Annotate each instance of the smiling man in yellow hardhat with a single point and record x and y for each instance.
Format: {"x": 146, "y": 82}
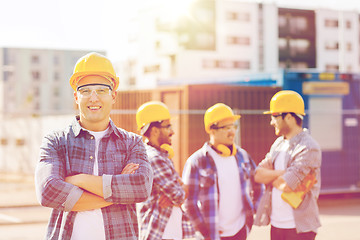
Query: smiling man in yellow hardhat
{"x": 92, "y": 173}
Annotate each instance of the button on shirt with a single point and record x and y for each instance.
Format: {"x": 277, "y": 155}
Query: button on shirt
{"x": 71, "y": 151}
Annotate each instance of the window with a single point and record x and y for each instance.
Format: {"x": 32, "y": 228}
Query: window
{"x": 282, "y": 42}
{"x": 35, "y": 59}
{"x": 348, "y": 24}
{"x": 225, "y": 64}
{"x": 152, "y": 68}
{"x": 331, "y": 23}
{"x": 299, "y": 65}
{"x": 238, "y": 40}
{"x": 231, "y": 15}
{"x": 332, "y": 67}
{"x": 282, "y": 21}
{"x": 348, "y": 47}
{"x": 298, "y": 46}
{"x": 238, "y": 16}
{"x": 331, "y": 45}
{"x": 242, "y": 64}
{"x": 132, "y": 81}
{"x": 56, "y": 76}
{"x": 298, "y": 24}
{"x": 326, "y": 113}
{"x": 35, "y": 75}
{"x": 207, "y": 63}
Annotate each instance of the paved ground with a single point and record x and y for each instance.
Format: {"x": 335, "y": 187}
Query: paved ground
{"x": 21, "y": 218}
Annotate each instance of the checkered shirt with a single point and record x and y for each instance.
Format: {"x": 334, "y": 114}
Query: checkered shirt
{"x": 152, "y": 218}
{"x": 68, "y": 152}
{"x": 202, "y": 204}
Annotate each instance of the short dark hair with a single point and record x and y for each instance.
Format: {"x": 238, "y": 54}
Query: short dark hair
{"x": 298, "y": 120}
{"x": 153, "y": 124}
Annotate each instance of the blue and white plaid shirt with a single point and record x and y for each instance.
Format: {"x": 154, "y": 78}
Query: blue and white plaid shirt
{"x": 70, "y": 151}
{"x": 202, "y": 204}
{"x": 153, "y": 218}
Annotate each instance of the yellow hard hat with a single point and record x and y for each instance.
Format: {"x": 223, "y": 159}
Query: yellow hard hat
{"x": 152, "y": 111}
{"x": 217, "y": 113}
{"x": 94, "y": 64}
{"x": 286, "y": 101}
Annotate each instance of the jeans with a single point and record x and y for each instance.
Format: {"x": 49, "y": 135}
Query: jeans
{"x": 290, "y": 234}
{"x": 241, "y": 235}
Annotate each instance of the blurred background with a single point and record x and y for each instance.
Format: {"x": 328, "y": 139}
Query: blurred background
{"x": 190, "y": 54}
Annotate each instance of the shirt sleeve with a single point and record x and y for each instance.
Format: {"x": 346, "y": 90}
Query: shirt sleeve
{"x": 51, "y": 189}
{"x": 306, "y": 159}
{"x": 166, "y": 179}
{"x": 131, "y": 188}
{"x": 191, "y": 179}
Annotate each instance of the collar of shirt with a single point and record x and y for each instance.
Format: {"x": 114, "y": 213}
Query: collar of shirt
{"x": 76, "y": 128}
{"x": 295, "y": 140}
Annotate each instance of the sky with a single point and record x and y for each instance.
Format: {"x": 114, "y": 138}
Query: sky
{"x": 94, "y": 24}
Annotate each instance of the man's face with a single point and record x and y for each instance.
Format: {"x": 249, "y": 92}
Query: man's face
{"x": 166, "y": 132}
{"x": 94, "y": 100}
{"x": 280, "y": 125}
{"x": 225, "y": 132}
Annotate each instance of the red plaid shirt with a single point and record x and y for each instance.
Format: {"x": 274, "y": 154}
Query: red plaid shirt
{"x": 68, "y": 152}
{"x": 153, "y": 218}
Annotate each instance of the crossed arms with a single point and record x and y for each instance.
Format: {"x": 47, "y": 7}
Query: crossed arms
{"x": 93, "y": 196}
{"x": 275, "y": 177}
{"x": 81, "y": 192}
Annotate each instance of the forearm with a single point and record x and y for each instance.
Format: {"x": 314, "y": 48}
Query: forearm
{"x": 90, "y": 183}
{"x": 89, "y": 201}
{"x": 266, "y": 176}
{"x": 281, "y": 184}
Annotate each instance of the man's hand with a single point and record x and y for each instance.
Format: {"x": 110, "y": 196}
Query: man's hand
{"x": 184, "y": 187}
{"x": 130, "y": 168}
{"x": 281, "y": 184}
{"x": 164, "y": 201}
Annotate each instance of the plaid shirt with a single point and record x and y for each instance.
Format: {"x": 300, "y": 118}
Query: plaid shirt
{"x": 70, "y": 151}
{"x": 152, "y": 218}
{"x": 304, "y": 156}
{"x": 202, "y": 204}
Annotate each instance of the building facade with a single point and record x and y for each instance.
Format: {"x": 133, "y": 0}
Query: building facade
{"x": 36, "y": 81}
{"x": 222, "y": 39}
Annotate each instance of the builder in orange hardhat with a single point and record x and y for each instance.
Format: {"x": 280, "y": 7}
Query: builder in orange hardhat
{"x": 91, "y": 172}
{"x": 160, "y": 216}
{"x": 293, "y": 157}
{"x": 222, "y": 192}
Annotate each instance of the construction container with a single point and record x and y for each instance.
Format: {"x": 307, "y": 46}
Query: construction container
{"x": 332, "y": 103}
{"x": 187, "y": 105}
